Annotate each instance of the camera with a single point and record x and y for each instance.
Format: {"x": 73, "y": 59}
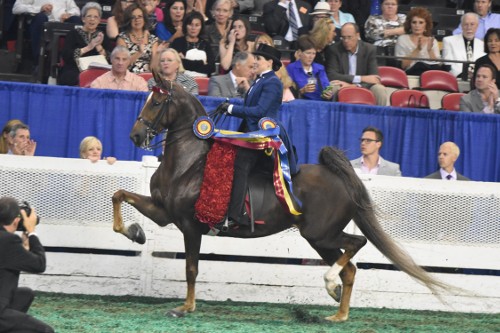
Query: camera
{"x": 27, "y": 208}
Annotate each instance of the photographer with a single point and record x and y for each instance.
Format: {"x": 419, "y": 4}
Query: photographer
{"x": 16, "y": 254}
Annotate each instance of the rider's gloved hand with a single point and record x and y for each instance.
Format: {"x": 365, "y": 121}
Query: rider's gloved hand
{"x": 221, "y": 109}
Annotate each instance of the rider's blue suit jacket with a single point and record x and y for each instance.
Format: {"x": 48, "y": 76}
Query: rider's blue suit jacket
{"x": 263, "y": 99}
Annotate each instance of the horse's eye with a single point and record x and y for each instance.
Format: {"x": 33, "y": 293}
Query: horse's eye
{"x": 156, "y": 103}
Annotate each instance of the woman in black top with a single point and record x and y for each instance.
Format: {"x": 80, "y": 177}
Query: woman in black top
{"x": 492, "y": 57}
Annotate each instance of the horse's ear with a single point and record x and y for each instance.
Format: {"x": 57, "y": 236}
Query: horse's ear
{"x": 158, "y": 79}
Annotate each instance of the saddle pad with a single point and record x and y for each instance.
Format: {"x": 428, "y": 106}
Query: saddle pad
{"x": 215, "y": 193}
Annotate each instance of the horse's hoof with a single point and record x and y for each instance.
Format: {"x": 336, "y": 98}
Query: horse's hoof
{"x": 337, "y": 318}
{"x": 136, "y": 234}
{"x": 176, "y": 313}
{"x": 337, "y": 293}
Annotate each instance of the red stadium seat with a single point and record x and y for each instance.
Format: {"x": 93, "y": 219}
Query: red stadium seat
{"x": 89, "y": 75}
{"x": 438, "y": 80}
{"x": 451, "y": 101}
{"x": 356, "y": 95}
{"x": 202, "y": 85}
{"x": 393, "y": 77}
{"x": 409, "y": 98}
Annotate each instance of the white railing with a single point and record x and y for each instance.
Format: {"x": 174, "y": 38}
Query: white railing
{"x": 454, "y": 225}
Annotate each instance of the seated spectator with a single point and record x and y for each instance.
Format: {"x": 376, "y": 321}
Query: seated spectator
{"x": 263, "y": 39}
{"x": 290, "y": 91}
{"x": 196, "y": 53}
{"x": 119, "y": 77}
{"x": 141, "y": 44}
{"x": 19, "y": 141}
{"x": 173, "y": 16}
{"x": 322, "y": 35}
{"x": 492, "y": 50}
{"x": 321, "y": 11}
{"x": 383, "y": 30}
{"x": 418, "y": 43}
{"x": 287, "y": 18}
{"x": 91, "y": 149}
{"x": 44, "y": 11}
{"x": 4, "y": 144}
{"x": 169, "y": 66}
{"x": 309, "y": 76}
{"x": 483, "y": 99}
{"x": 487, "y": 19}
{"x": 237, "y": 82}
{"x": 235, "y": 41}
{"x": 447, "y": 156}
{"x": 464, "y": 46}
{"x": 222, "y": 11}
{"x": 353, "y": 55}
{"x": 339, "y": 17}
{"x": 371, "y": 162}
{"x": 155, "y": 20}
{"x": 83, "y": 42}
{"x": 116, "y": 23}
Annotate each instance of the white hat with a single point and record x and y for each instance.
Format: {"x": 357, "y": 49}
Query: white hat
{"x": 321, "y": 7}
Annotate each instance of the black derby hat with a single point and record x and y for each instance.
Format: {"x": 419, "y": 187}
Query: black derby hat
{"x": 269, "y": 52}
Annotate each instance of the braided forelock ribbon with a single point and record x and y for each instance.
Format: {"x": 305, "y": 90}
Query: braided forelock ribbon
{"x": 161, "y": 90}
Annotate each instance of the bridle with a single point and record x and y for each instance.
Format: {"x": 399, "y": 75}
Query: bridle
{"x": 152, "y": 128}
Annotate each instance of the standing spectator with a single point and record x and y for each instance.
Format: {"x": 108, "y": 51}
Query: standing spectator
{"x": 322, "y": 35}
{"x": 119, "y": 77}
{"x": 115, "y": 23}
{"x": 447, "y": 156}
{"x": 236, "y": 40}
{"x": 371, "y": 162}
{"x": 24, "y": 253}
{"x": 309, "y": 76}
{"x": 91, "y": 149}
{"x": 4, "y": 141}
{"x": 287, "y": 18}
{"x": 339, "y": 17}
{"x": 487, "y": 19}
{"x": 237, "y": 82}
{"x": 44, "y": 11}
{"x": 464, "y": 46}
{"x": 169, "y": 67}
{"x": 321, "y": 11}
{"x": 483, "y": 99}
{"x": 354, "y": 62}
{"x": 83, "y": 42}
{"x": 141, "y": 44}
{"x": 383, "y": 30}
{"x": 196, "y": 53}
{"x": 222, "y": 11}
{"x": 173, "y": 15}
{"x": 20, "y": 142}
{"x": 492, "y": 50}
{"x": 418, "y": 43}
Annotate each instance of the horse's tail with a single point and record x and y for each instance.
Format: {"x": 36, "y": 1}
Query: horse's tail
{"x": 365, "y": 218}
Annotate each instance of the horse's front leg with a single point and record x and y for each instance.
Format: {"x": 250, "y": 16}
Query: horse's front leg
{"x": 143, "y": 204}
{"x": 192, "y": 243}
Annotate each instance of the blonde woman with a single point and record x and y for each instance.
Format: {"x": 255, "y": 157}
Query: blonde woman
{"x": 263, "y": 39}
{"x": 289, "y": 88}
{"x": 321, "y": 39}
{"x": 4, "y": 145}
{"x": 91, "y": 149}
{"x": 169, "y": 67}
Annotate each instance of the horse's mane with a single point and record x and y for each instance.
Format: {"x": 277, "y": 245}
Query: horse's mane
{"x": 179, "y": 93}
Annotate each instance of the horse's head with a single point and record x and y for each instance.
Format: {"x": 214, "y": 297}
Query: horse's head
{"x": 168, "y": 107}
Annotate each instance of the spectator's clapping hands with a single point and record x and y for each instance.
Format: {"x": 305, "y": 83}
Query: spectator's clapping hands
{"x": 97, "y": 40}
{"x": 493, "y": 90}
{"x": 25, "y": 148}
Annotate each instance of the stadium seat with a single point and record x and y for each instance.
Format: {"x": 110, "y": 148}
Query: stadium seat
{"x": 438, "y": 80}
{"x": 356, "y": 95}
{"x": 409, "y": 98}
{"x": 202, "y": 85}
{"x": 451, "y": 101}
{"x": 393, "y": 77}
{"x": 89, "y": 75}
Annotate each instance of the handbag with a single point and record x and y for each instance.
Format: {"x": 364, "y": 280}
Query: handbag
{"x": 92, "y": 61}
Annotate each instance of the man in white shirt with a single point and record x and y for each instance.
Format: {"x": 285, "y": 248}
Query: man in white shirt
{"x": 447, "y": 156}
{"x": 371, "y": 162}
{"x": 44, "y": 11}
{"x": 237, "y": 82}
{"x": 464, "y": 46}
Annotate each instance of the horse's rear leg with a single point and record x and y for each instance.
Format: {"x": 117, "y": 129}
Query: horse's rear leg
{"x": 144, "y": 205}
{"x": 341, "y": 266}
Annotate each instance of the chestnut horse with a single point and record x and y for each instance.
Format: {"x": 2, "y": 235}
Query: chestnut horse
{"x": 331, "y": 195}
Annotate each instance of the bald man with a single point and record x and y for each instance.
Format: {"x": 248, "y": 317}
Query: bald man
{"x": 447, "y": 156}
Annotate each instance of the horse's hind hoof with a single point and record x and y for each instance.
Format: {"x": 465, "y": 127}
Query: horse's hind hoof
{"x": 175, "y": 313}
{"x": 136, "y": 234}
{"x": 337, "y": 293}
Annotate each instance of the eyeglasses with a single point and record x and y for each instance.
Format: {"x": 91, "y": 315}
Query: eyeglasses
{"x": 128, "y": 1}
{"x": 363, "y": 140}
{"x": 347, "y": 37}
{"x": 92, "y": 17}
{"x": 137, "y": 17}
